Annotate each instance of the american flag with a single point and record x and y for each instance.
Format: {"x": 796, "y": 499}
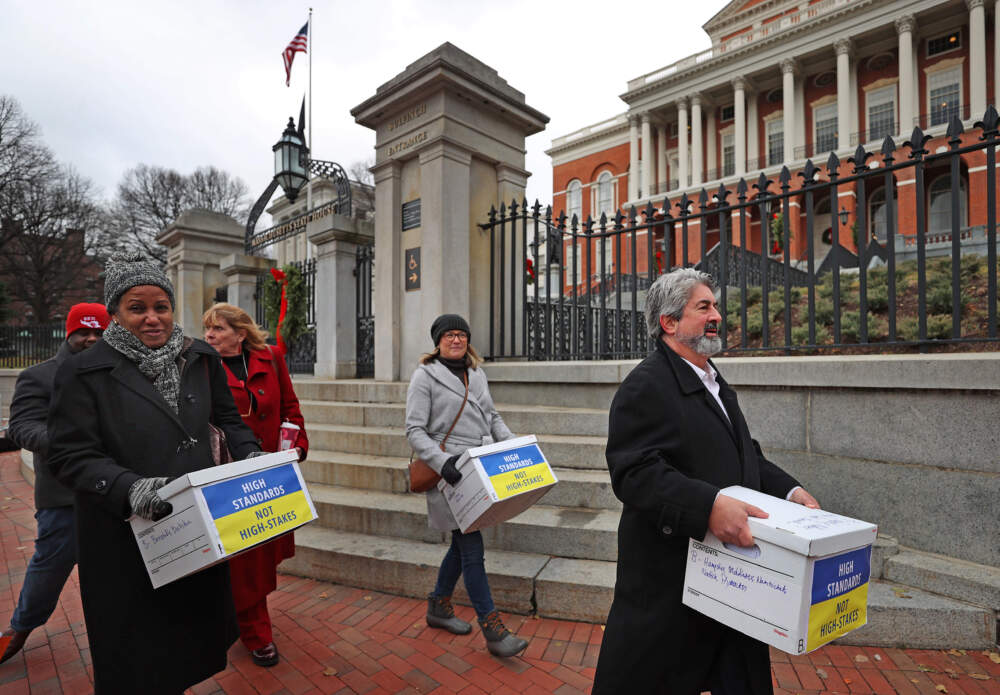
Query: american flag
{"x": 299, "y": 44}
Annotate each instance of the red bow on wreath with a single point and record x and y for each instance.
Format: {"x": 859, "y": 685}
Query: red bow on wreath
{"x": 659, "y": 262}
{"x": 279, "y": 277}
{"x": 530, "y": 268}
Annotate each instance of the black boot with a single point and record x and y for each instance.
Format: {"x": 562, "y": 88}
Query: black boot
{"x": 499, "y": 640}
{"x": 441, "y": 614}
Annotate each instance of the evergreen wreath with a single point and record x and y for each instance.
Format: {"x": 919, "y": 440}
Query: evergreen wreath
{"x": 295, "y": 323}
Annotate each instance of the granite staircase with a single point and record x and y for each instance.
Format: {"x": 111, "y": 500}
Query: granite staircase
{"x": 558, "y": 558}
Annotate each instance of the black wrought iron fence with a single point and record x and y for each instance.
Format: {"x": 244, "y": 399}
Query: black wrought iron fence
{"x": 841, "y": 287}
{"x": 23, "y": 346}
{"x": 364, "y": 280}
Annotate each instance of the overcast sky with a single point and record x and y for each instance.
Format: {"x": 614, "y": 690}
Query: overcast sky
{"x": 115, "y": 83}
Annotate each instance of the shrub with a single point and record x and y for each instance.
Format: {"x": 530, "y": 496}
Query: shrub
{"x": 939, "y": 300}
{"x": 824, "y": 312}
{"x": 755, "y": 324}
{"x": 878, "y": 299}
{"x": 938, "y": 327}
{"x": 754, "y": 295}
{"x": 907, "y": 329}
{"x": 849, "y": 327}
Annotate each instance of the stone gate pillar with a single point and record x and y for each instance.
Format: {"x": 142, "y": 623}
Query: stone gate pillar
{"x": 196, "y": 242}
{"x": 241, "y": 272}
{"x": 449, "y": 143}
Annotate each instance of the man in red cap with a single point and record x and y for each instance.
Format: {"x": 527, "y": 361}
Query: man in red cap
{"x": 55, "y": 547}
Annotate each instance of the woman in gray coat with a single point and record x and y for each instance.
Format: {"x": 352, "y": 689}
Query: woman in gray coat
{"x": 433, "y": 400}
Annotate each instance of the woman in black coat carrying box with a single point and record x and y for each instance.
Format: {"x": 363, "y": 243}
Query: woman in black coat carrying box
{"x": 128, "y": 415}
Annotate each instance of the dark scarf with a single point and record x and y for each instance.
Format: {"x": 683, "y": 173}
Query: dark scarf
{"x": 456, "y": 367}
{"x": 159, "y": 365}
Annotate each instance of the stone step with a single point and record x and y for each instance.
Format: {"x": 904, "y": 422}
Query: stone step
{"x": 571, "y": 589}
{"x": 946, "y": 576}
{"x": 564, "y": 451}
{"x": 904, "y": 617}
{"x": 520, "y": 582}
{"x": 883, "y": 548}
{"x": 589, "y": 534}
{"x": 540, "y": 383}
{"x": 406, "y": 567}
{"x": 534, "y": 419}
{"x": 576, "y": 488}
{"x": 350, "y": 390}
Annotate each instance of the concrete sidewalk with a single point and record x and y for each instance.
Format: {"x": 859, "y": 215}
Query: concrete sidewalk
{"x": 335, "y": 639}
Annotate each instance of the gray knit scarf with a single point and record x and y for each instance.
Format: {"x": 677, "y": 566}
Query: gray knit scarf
{"x": 159, "y": 365}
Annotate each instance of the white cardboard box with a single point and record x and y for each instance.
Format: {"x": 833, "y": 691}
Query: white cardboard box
{"x": 499, "y": 481}
{"x": 222, "y": 511}
{"x": 804, "y": 583}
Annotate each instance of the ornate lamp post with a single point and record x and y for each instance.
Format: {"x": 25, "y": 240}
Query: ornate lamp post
{"x": 290, "y": 158}
{"x": 292, "y": 167}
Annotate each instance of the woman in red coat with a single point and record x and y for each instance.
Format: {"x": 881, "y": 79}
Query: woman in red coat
{"x": 262, "y": 389}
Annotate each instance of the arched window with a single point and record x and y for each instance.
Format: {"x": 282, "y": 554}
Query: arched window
{"x": 606, "y": 205}
{"x": 939, "y": 208}
{"x": 605, "y": 195}
{"x": 574, "y": 199}
{"x": 877, "y": 219}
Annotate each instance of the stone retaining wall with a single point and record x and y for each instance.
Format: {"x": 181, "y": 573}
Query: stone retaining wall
{"x": 910, "y": 442}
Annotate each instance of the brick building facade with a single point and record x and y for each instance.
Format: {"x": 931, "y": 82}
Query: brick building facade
{"x": 786, "y": 81}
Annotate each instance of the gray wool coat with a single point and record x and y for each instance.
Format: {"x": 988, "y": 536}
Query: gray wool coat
{"x": 432, "y": 402}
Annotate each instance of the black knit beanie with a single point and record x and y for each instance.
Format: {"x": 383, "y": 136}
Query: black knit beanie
{"x": 448, "y": 322}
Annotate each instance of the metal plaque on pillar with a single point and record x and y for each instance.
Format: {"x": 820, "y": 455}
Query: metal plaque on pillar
{"x": 411, "y": 214}
{"x": 412, "y": 272}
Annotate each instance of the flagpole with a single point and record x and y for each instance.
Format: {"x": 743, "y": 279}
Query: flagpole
{"x": 309, "y": 124}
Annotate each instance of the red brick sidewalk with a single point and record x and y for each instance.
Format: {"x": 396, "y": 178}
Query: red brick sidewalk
{"x": 335, "y": 639}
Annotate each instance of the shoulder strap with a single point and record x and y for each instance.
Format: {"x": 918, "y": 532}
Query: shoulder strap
{"x": 465, "y": 380}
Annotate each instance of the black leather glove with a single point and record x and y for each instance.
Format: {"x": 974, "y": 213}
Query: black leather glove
{"x": 145, "y": 501}
{"x": 451, "y": 474}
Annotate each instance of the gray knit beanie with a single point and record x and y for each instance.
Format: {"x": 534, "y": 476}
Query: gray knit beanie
{"x": 129, "y": 269}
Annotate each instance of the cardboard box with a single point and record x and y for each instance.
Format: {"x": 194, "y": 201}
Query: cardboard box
{"x": 804, "y": 583}
{"x": 222, "y": 511}
{"x": 499, "y": 481}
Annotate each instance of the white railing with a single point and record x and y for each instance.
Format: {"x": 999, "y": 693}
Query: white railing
{"x": 765, "y": 30}
{"x": 618, "y": 120}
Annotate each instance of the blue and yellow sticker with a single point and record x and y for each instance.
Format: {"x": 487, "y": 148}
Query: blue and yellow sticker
{"x": 517, "y": 470}
{"x": 256, "y": 507}
{"x": 839, "y": 596}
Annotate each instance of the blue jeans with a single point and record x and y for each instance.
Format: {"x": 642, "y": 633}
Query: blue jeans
{"x": 465, "y": 557}
{"x": 49, "y": 568}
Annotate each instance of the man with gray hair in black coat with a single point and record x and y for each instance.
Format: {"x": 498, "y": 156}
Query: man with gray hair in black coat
{"x": 676, "y": 437}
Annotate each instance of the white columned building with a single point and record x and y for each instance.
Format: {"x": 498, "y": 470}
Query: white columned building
{"x": 647, "y": 169}
{"x": 977, "y": 58}
{"x": 788, "y": 69}
{"x": 661, "y": 159}
{"x": 845, "y": 100}
{"x": 905, "y": 27}
{"x": 697, "y": 151}
{"x": 633, "y": 158}
{"x": 740, "y": 125}
{"x": 682, "y": 142}
{"x": 710, "y": 150}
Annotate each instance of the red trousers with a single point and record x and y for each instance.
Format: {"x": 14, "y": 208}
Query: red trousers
{"x": 255, "y": 626}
